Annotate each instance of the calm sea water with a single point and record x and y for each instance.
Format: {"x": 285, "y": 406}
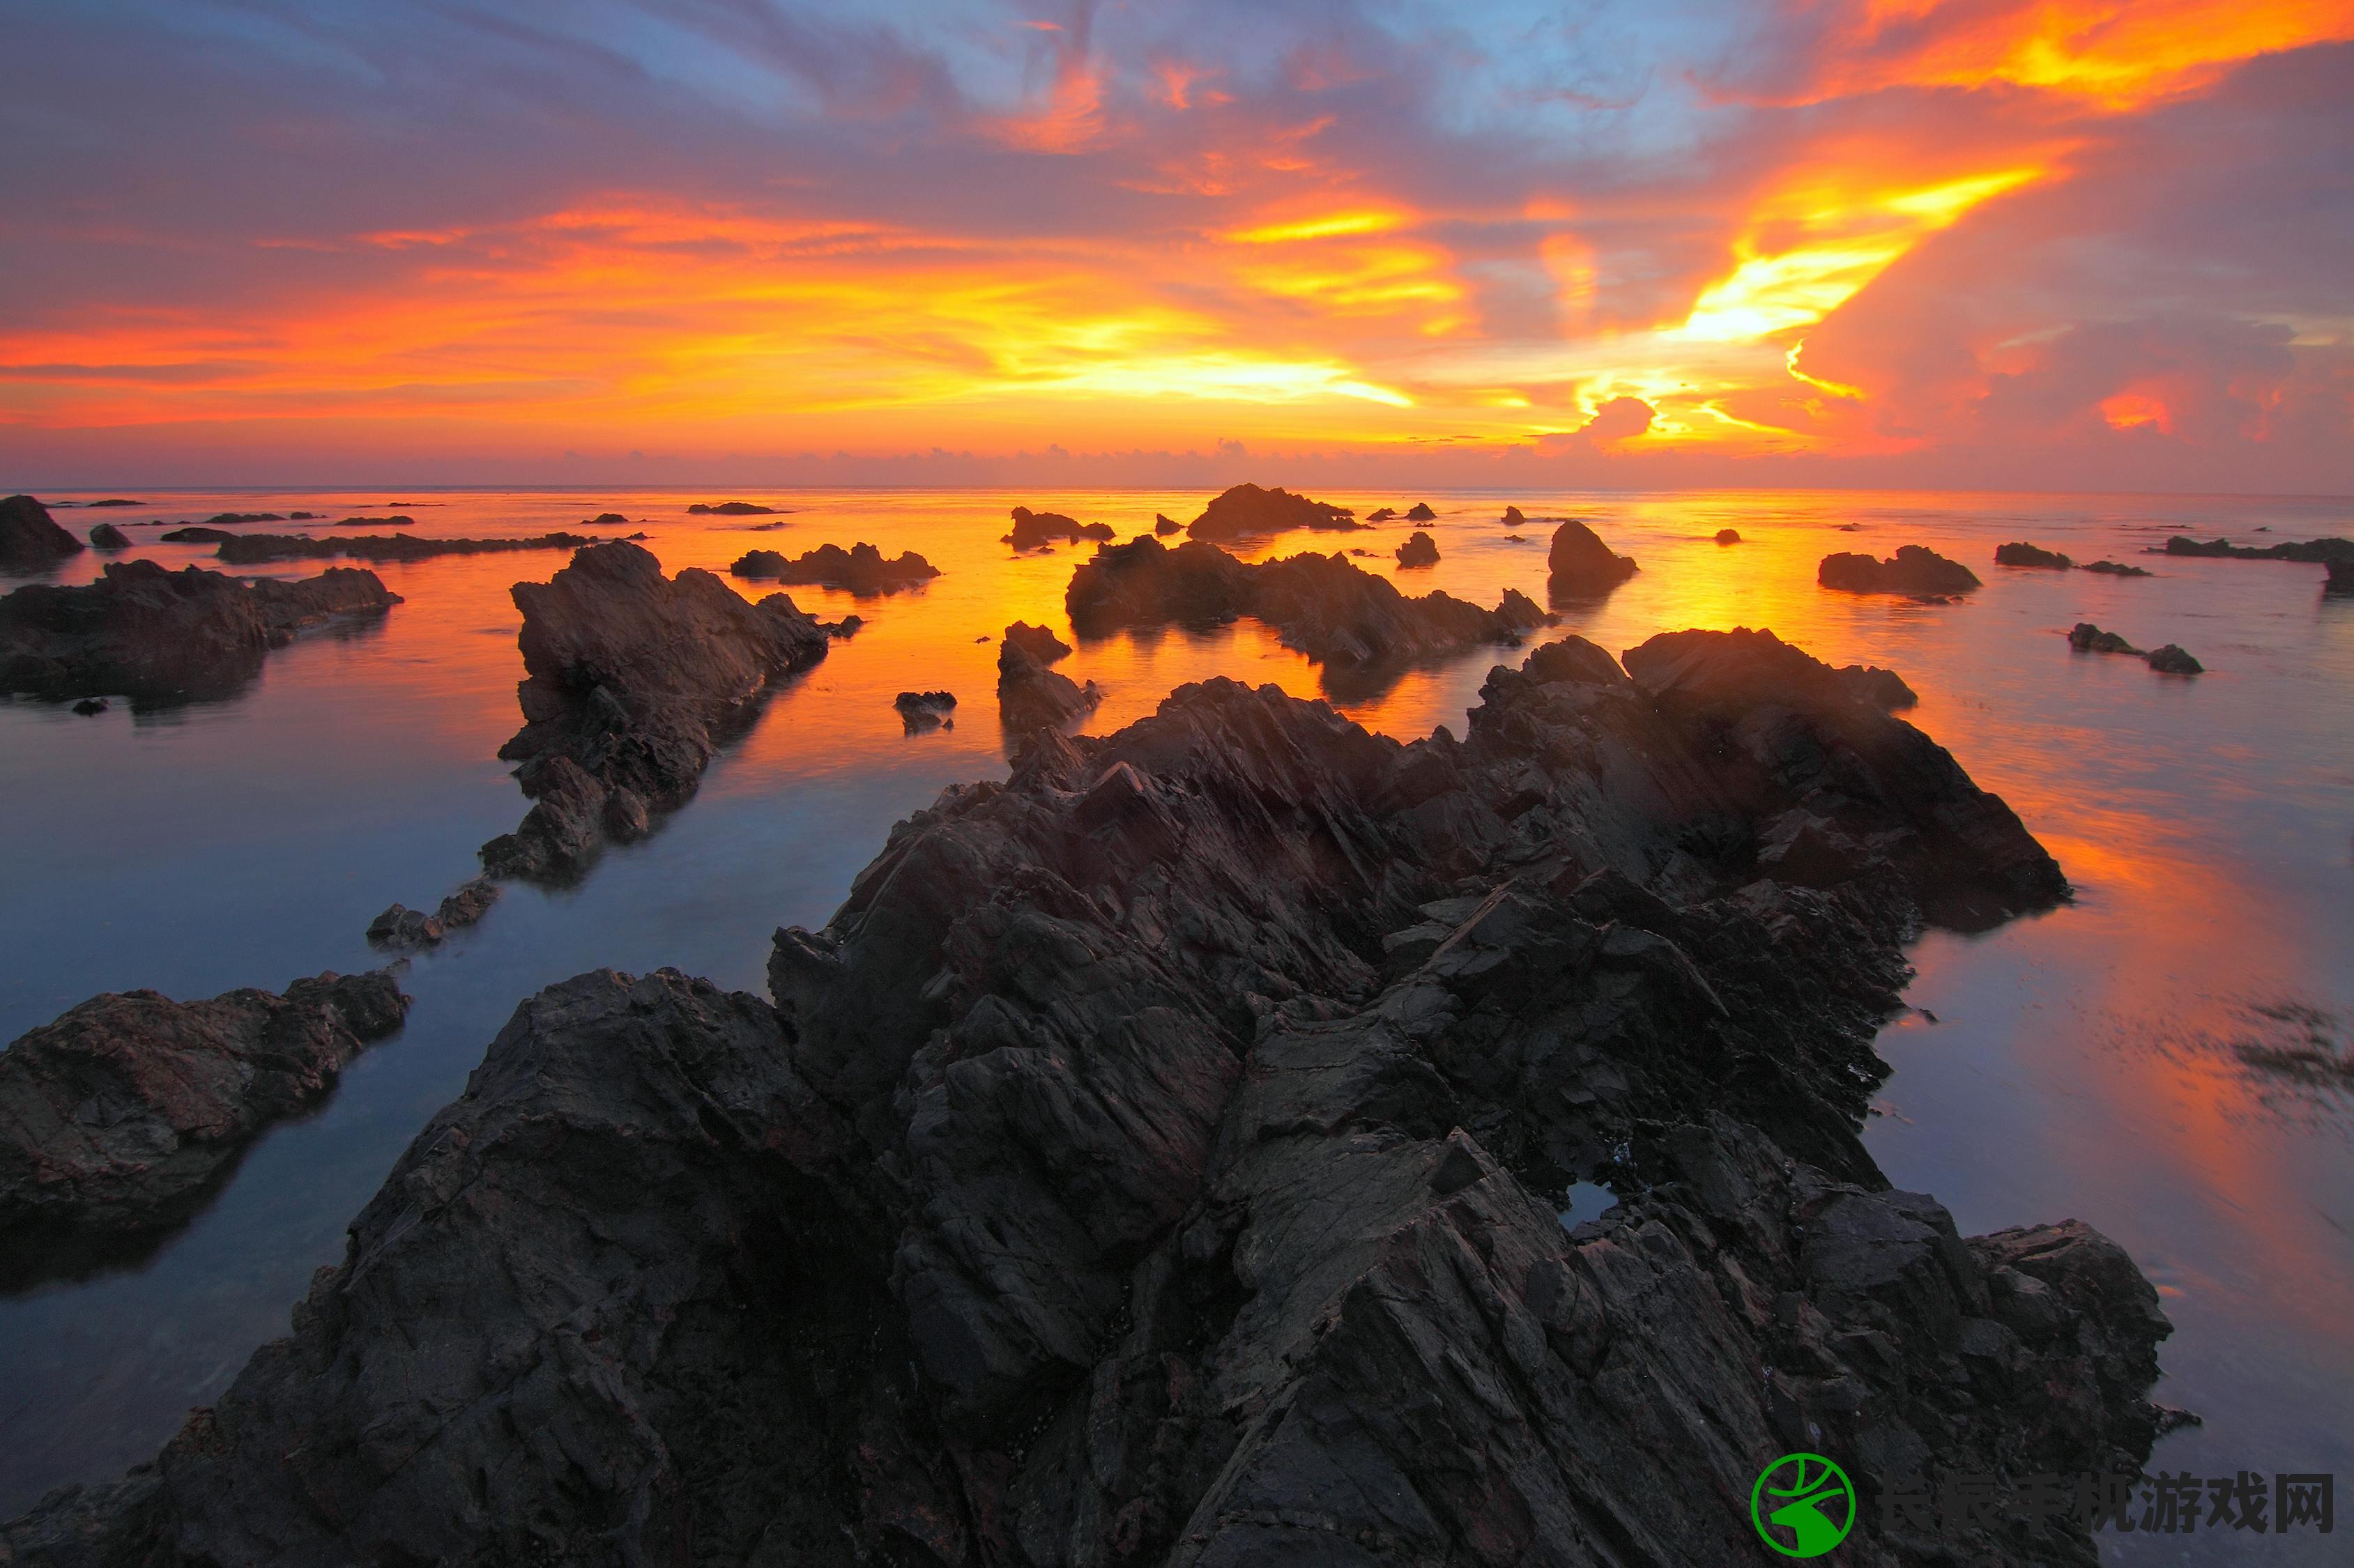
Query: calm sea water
{"x": 2142, "y": 1059}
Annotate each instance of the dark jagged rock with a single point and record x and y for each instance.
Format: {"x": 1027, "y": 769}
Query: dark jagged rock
{"x": 1513, "y": 517}
{"x": 1580, "y": 566}
{"x": 194, "y": 536}
{"x": 1912, "y": 570}
{"x": 2086, "y": 637}
{"x": 1331, "y": 611}
{"x": 1247, "y": 511}
{"x": 400, "y": 927}
{"x": 925, "y": 710}
{"x": 1039, "y": 641}
{"x": 155, "y": 635}
{"x": 2116, "y": 569}
{"x": 732, "y": 509}
{"x": 632, "y": 682}
{"x": 107, "y": 536}
{"x": 2170, "y": 660}
{"x": 2341, "y": 578}
{"x": 2310, "y": 550}
{"x": 1881, "y": 688}
{"x": 1420, "y": 512}
{"x": 116, "y": 1117}
{"x": 862, "y": 569}
{"x": 1381, "y": 514}
{"x": 247, "y": 549}
{"x": 2019, "y": 554}
{"x": 1164, "y": 525}
{"x": 1030, "y": 696}
{"x": 846, "y": 629}
{"x": 1031, "y": 529}
{"x": 1419, "y": 550}
{"x": 1157, "y": 1160}
{"x": 390, "y": 522}
{"x": 31, "y": 539}
{"x": 1728, "y": 537}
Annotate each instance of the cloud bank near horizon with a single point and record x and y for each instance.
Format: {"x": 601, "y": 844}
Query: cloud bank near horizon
{"x": 2069, "y": 244}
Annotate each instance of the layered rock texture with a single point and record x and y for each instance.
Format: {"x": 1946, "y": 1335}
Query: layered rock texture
{"x": 31, "y": 539}
{"x": 1157, "y": 1160}
{"x": 862, "y": 569}
{"x": 1325, "y": 606}
{"x": 1914, "y": 569}
{"x": 1579, "y": 566}
{"x": 1247, "y": 511}
{"x": 118, "y": 1116}
{"x": 632, "y": 681}
{"x": 159, "y": 636}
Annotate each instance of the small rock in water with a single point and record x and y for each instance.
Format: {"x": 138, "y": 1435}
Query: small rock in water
{"x": 1419, "y": 550}
{"x": 925, "y": 710}
{"x": 89, "y": 705}
{"x": 2171, "y": 660}
{"x": 1163, "y": 524}
{"x": 1420, "y": 512}
{"x": 2020, "y": 554}
{"x": 1921, "y": 572}
{"x": 2086, "y": 637}
{"x": 107, "y": 536}
{"x": 1728, "y": 537}
{"x": 2117, "y": 569}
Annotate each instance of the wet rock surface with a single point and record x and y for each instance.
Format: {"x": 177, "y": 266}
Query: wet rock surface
{"x": 254, "y": 548}
{"x": 2023, "y": 555}
{"x": 1031, "y": 696}
{"x": 1419, "y": 550}
{"x": 632, "y": 681}
{"x": 2171, "y": 660}
{"x": 117, "y": 1116}
{"x": 1326, "y": 606}
{"x": 401, "y": 927}
{"x": 1912, "y": 570}
{"x": 1156, "y": 1160}
{"x": 862, "y": 569}
{"x": 1245, "y": 511}
{"x": 1031, "y": 529}
{"x": 31, "y": 539}
{"x": 1579, "y": 566}
{"x": 158, "y": 636}
{"x": 925, "y": 710}
{"x": 2086, "y": 637}
{"x": 2310, "y": 550}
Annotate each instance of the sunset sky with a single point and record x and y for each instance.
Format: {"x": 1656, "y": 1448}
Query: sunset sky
{"x": 2074, "y": 244}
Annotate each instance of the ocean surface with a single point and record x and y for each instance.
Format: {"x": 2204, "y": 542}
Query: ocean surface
{"x": 2165, "y": 1058}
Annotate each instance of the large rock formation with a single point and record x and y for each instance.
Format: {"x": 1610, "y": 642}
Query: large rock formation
{"x": 862, "y": 569}
{"x": 118, "y": 1116}
{"x": 1031, "y": 696}
{"x": 1157, "y": 1160}
{"x": 1325, "y": 606}
{"x": 2310, "y": 550}
{"x": 633, "y": 680}
{"x": 1247, "y": 511}
{"x": 1031, "y": 529}
{"x": 1580, "y": 566}
{"x": 1914, "y": 570}
{"x": 156, "y": 635}
{"x": 251, "y": 548}
{"x": 31, "y": 539}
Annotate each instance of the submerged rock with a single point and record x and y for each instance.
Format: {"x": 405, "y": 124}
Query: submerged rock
{"x": 732, "y": 509}
{"x": 250, "y": 548}
{"x": 107, "y": 536}
{"x": 862, "y": 569}
{"x": 118, "y": 1115}
{"x": 2310, "y": 550}
{"x": 2115, "y": 569}
{"x": 1419, "y": 550}
{"x": 1030, "y": 696}
{"x": 1031, "y": 529}
{"x": 1728, "y": 537}
{"x": 632, "y": 681}
{"x": 31, "y": 539}
{"x": 2018, "y": 555}
{"x": 156, "y": 635}
{"x": 1246, "y": 510}
{"x": 1580, "y": 566}
{"x": 1157, "y": 1160}
{"x": 2086, "y": 637}
{"x": 1325, "y": 606}
{"x": 2170, "y": 660}
{"x": 925, "y": 710}
{"x": 196, "y": 535}
{"x": 1912, "y": 570}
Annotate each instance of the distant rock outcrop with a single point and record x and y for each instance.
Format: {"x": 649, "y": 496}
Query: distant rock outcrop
{"x": 2023, "y": 555}
{"x": 1580, "y": 566}
{"x": 732, "y": 509}
{"x": 2116, "y": 569}
{"x": 632, "y": 681}
{"x": 2170, "y": 660}
{"x": 1325, "y": 606}
{"x": 1381, "y": 514}
{"x": 1030, "y": 696}
{"x": 117, "y": 1116}
{"x": 1419, "y": 550}
{"x": 196, "y": 535}
{"x": 2310, "y": 550}
{"x": 1420, "y": 512}
{"x": 862, "y": 569}
{"x": 155, "y": 635}
{"x": 1245, "y": 511}
{"x": 1912, "y": 570}
{"x": 1031, "y": 529}
{"x": 31, "y": 539}
{"x": 246, "y": 549}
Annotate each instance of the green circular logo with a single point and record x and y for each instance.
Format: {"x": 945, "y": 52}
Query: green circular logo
{"x": 1803, "y": 1505}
